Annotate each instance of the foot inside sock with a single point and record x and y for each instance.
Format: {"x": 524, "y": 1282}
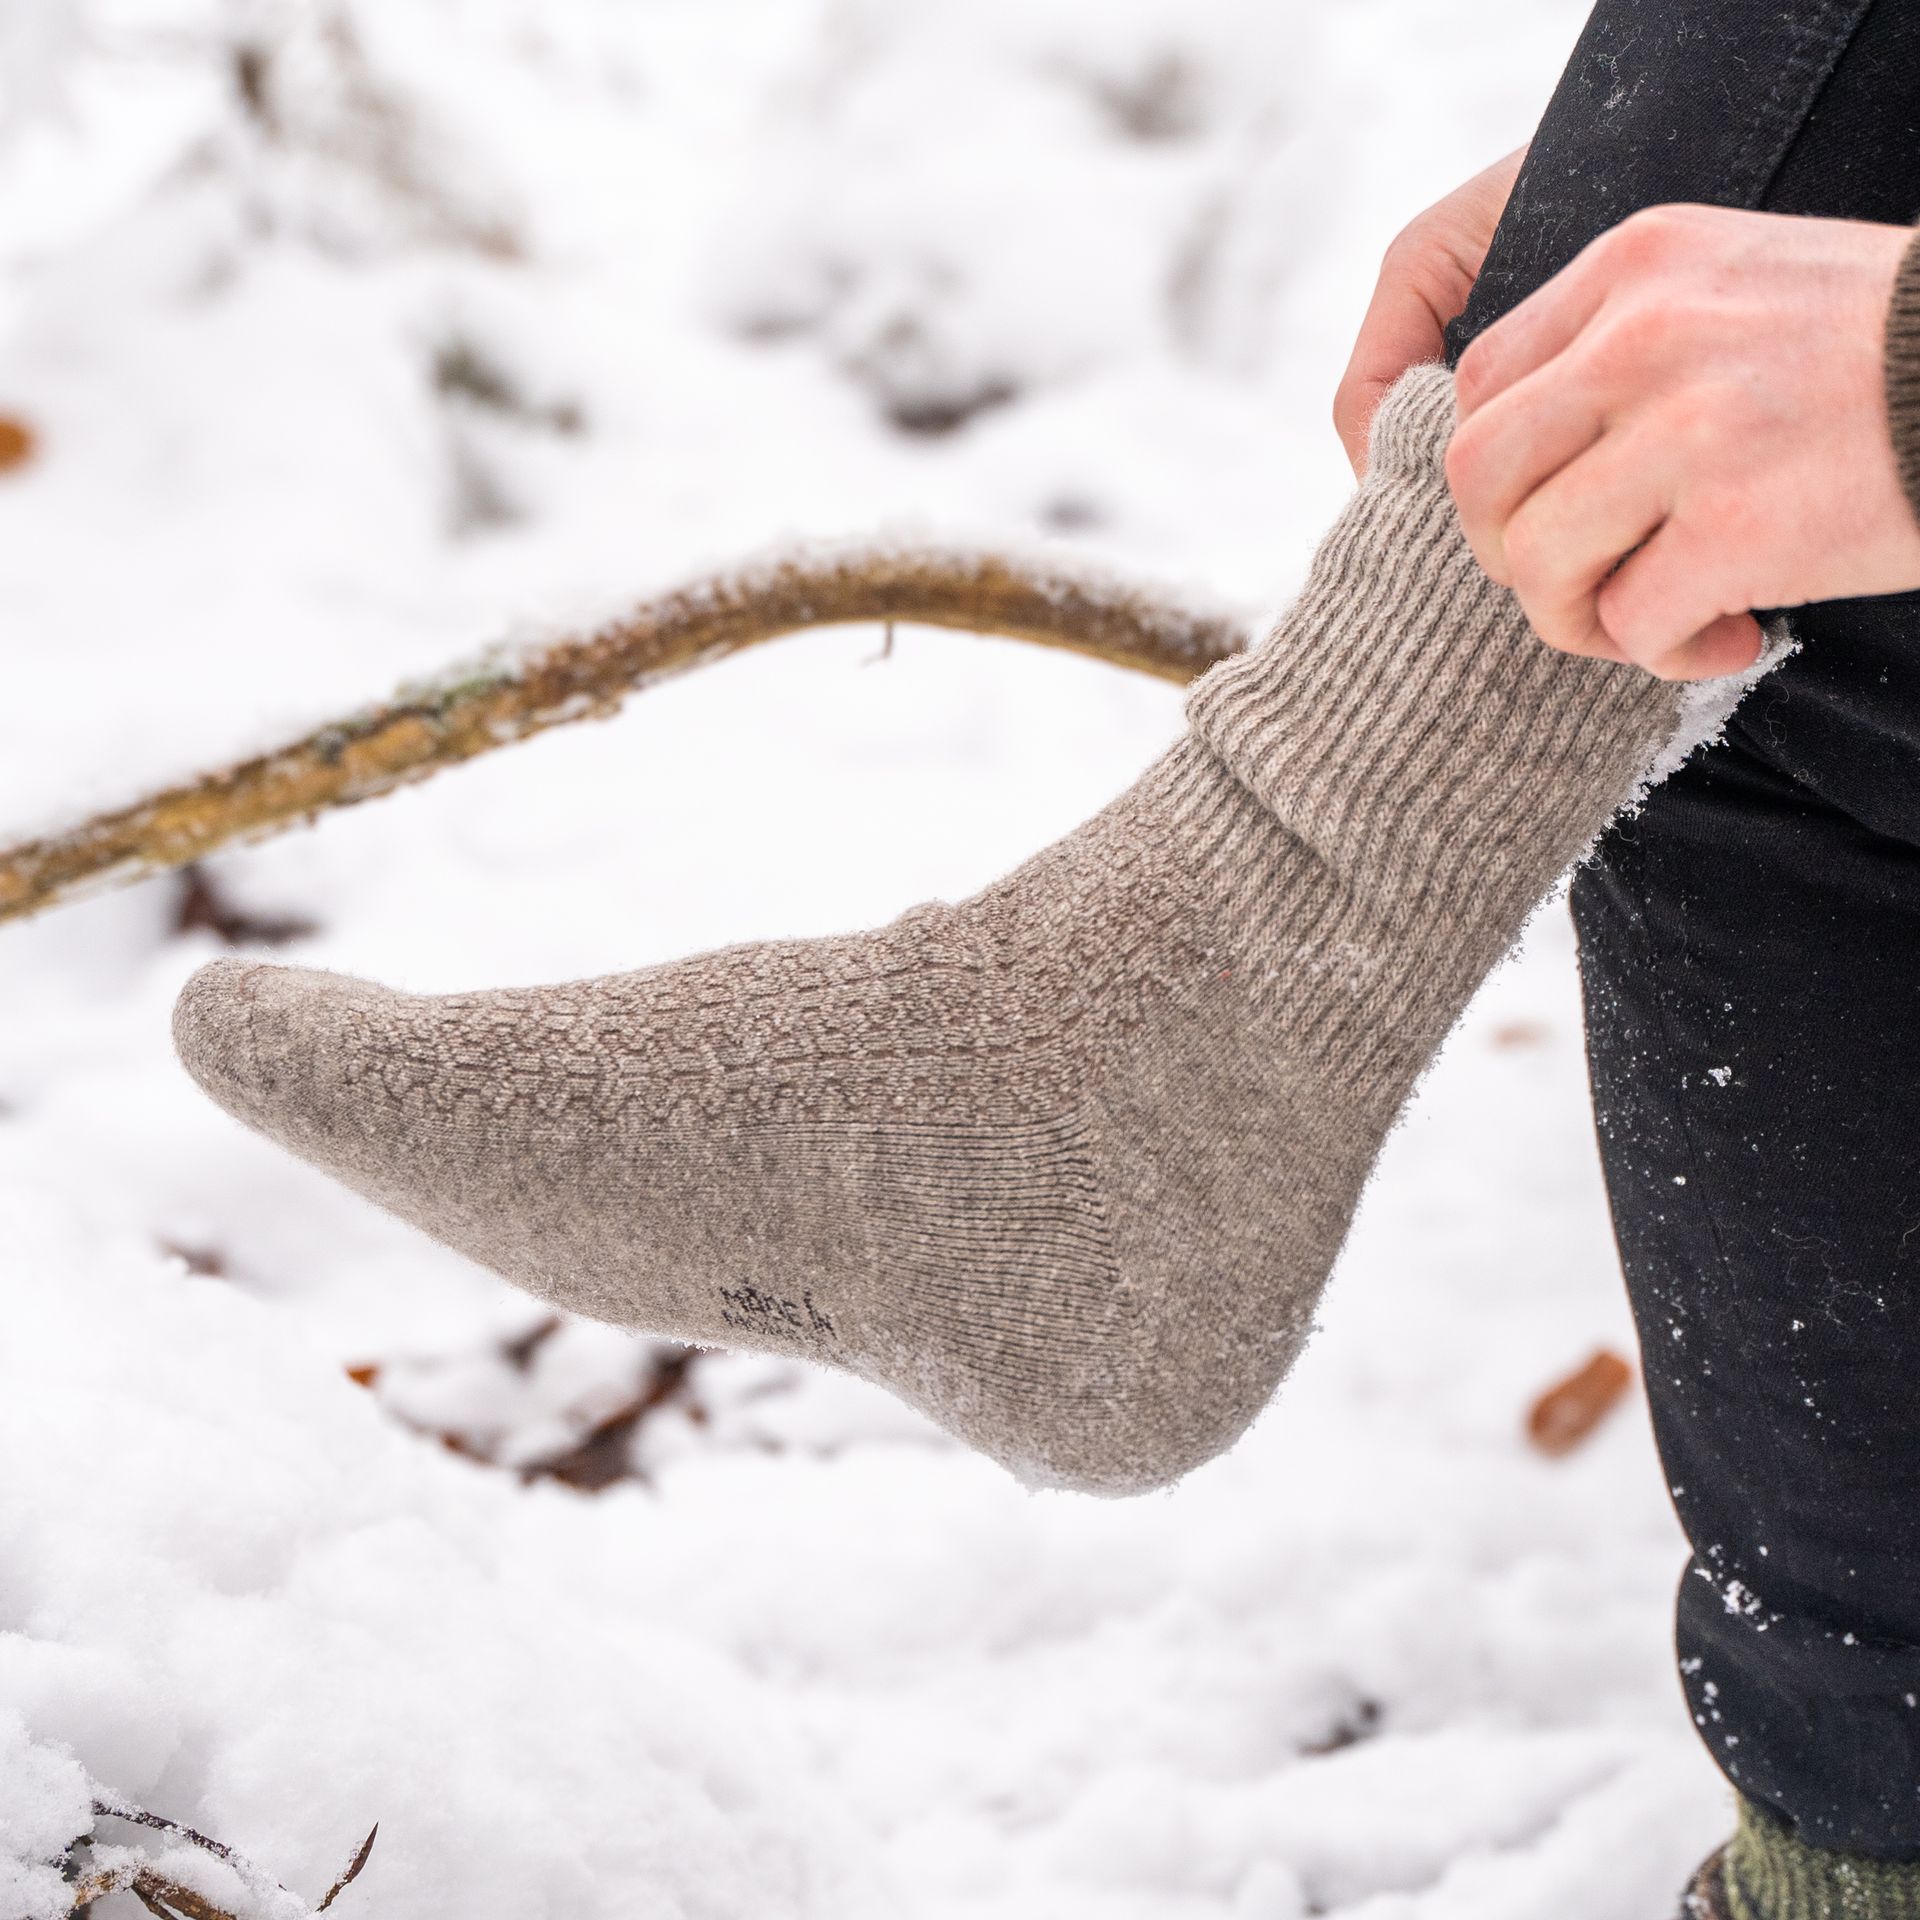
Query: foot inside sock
{"x": 998, "y": 1157}
{"x": 1066, "y": 1165}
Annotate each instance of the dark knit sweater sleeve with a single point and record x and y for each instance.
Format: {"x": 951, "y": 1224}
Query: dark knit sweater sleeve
{"x": 1903, "y": 371}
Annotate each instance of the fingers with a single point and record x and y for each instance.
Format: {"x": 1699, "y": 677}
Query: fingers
{"x": 1730, "y": 645}
{"x": 1567, "y": 536}
{"x": 1541, "y": 327}
{"x": 1424, "y": 281}
{"x": 1548, "y": 321}
{"x": 1592, "y": 467}
{"x": 1509, "y": 450}
{"x": 1670, "y": 609}
{"x": 1670, "y": 606}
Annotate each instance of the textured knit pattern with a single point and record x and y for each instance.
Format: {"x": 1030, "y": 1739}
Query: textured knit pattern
{"x": 1066, "y": 1165}
{"x": 1772, "y": 1874}
{"x": 1903, "y": 370}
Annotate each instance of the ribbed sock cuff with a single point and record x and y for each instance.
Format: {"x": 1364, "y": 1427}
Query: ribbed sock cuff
{"x": 1772, "y": 1874}
{"x": 1404, "y": 721}
{"x": 1405, "y": 733}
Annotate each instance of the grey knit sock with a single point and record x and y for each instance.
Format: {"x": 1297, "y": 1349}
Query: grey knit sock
{"x": 1065, "y": 1166}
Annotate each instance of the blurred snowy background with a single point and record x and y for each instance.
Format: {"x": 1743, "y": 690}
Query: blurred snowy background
{"x": 339, "y": 338}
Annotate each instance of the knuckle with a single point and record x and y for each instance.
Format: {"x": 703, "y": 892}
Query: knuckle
{"x": 1648, "y": 236}
{"x": 1404, "y": 247}
{"x": 1636, "y": 332}
{"x": 1695, "y": 417}
{"x": 1620, "y": 249}
{"x": 1633, "y": 340}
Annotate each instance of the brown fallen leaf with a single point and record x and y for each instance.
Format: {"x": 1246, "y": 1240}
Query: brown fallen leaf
{"x": 1511, "y": 1035}
{"x": 1569, "y": 1410}
{"x": 17, "y": 443}
{"x": 365, "y": 1374}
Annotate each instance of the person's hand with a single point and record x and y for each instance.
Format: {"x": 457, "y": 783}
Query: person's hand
{"x": 1424, "y": 281}
{"x": 1686, "y": 423}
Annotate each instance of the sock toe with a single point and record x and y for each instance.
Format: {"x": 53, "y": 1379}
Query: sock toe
{"x": 255, "y": 1038}
{"x": 213, "y": 1035}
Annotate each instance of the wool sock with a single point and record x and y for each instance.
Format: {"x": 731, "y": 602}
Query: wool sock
{"x": 1767, "y": 1872}
{"x": 1064, "y": 1166}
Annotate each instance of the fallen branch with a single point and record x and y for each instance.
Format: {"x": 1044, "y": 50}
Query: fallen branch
{"x": 168, "y": 1898}
{"x": 509, "y": 695}
{"x": 154, "y": 1891}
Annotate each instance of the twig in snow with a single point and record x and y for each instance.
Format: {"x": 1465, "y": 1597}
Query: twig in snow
{"x": 205, "y": 905}
{"x": 352, "y": 1872}
{"x": 1360, "y": 1722}
{"x": 154, "y": 1891}
{"x": 520, "y": 1350}
{"x": 140, "y": 1817}
{"x": 499, "y": 699}
{"x": 603, "y": 1456}
{"x": 168, "y": 1898}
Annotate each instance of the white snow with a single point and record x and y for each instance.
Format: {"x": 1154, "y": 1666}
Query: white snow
{"x": 45, "y": 1802}
{"x": 817, "y": 1662}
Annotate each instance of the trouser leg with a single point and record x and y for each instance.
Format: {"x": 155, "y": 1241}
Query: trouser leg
{"x": 1750, "y": 950}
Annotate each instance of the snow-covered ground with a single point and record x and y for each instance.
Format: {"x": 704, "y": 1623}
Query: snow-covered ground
{"x": 356, "y": 336}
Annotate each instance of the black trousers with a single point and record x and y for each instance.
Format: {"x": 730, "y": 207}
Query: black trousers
{"x": 1750, "y": 953}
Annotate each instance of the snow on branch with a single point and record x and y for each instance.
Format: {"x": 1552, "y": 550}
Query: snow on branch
{"x": 509, "y": 694}
{"x": 160, "y": 1893}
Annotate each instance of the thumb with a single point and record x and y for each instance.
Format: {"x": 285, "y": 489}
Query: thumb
{"x": 1401, "y": 330}
{"x": 1353, "y": 410}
